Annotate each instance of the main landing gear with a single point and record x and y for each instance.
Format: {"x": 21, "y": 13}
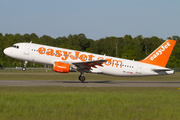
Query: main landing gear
{"x": 24, "y": 68}
{"x": 82, "y": 78}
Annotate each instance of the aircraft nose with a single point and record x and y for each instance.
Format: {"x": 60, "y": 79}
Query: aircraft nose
{"x": 6, "y": 51}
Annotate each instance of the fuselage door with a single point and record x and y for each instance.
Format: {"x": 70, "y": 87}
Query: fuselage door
{"x": 139, "y": 68}
{"x": 27, "y": 49}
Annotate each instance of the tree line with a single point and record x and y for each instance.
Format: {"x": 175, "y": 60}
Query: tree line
{"x": 127, "y": 47}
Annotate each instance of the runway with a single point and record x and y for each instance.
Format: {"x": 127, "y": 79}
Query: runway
{"x": 91, "y": 83}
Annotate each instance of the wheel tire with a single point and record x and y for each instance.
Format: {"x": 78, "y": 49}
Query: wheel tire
{"x": 23, "y": 69}
{"x": 82, "y": 78}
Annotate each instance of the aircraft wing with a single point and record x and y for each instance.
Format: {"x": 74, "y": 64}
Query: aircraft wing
{"x": 88, "y": 65}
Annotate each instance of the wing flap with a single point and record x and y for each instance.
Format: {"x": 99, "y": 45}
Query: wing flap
{"x": 89, "y": 65}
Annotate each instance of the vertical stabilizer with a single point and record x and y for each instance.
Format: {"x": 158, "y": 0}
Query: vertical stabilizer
{"x": 161, "y": 55}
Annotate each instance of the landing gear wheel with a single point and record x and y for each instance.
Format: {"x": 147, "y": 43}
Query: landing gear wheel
{"x": 82, "y": 78}
{"x": 23, "y": 69}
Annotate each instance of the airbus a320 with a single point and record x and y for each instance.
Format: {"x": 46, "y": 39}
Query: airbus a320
{"x": 66, "y": 60}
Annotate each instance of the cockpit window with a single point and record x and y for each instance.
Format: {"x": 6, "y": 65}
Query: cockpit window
{"x": 15, "y": 46}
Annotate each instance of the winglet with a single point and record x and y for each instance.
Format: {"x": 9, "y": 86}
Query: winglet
{"x": 161, "y": 55}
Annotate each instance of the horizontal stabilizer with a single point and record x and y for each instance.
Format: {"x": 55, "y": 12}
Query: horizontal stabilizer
{"x": 165, "y": 71}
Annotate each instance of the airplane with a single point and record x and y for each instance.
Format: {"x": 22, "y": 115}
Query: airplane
{"x": 66, "y": 60}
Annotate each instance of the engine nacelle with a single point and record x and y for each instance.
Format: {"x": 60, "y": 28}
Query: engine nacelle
{"x": 63, "y": 67}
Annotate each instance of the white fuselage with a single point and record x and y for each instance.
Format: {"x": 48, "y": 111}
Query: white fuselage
{"x": 43, "y": 54}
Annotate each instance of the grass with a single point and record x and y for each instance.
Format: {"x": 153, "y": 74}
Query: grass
{"x": 43, "y": 74}
{"x": 28, "y": 70}
{"x": 84, "y": 103}
{"x": 87, "y": 103}
{"x": 29, "y": 75}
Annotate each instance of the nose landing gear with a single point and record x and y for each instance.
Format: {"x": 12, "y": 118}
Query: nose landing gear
{"x": 24, "y": 68}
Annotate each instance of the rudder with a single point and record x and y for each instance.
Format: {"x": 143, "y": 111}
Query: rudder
{"x": 161, "y": 55}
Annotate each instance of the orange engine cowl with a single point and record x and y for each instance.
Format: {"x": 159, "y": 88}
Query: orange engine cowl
{"x": 61, "y": 67}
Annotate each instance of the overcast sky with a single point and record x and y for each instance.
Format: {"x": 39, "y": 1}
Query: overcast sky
{"x": 95, "y": 18}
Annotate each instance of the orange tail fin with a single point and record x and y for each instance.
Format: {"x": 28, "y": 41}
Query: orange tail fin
{"x": 161, "y": 55}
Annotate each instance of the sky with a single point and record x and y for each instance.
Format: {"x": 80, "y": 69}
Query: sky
{"x": 94, "y": 18}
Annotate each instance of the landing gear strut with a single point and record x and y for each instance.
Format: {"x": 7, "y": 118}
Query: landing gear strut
{"x": 24, "y": 68}
{"x": 82, "y": 78}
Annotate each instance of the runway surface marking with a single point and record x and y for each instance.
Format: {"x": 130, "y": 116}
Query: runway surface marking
{"x": 91, "y": 83}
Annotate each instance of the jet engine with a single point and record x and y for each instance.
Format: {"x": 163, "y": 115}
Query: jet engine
{"x": 63, "y": 67}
